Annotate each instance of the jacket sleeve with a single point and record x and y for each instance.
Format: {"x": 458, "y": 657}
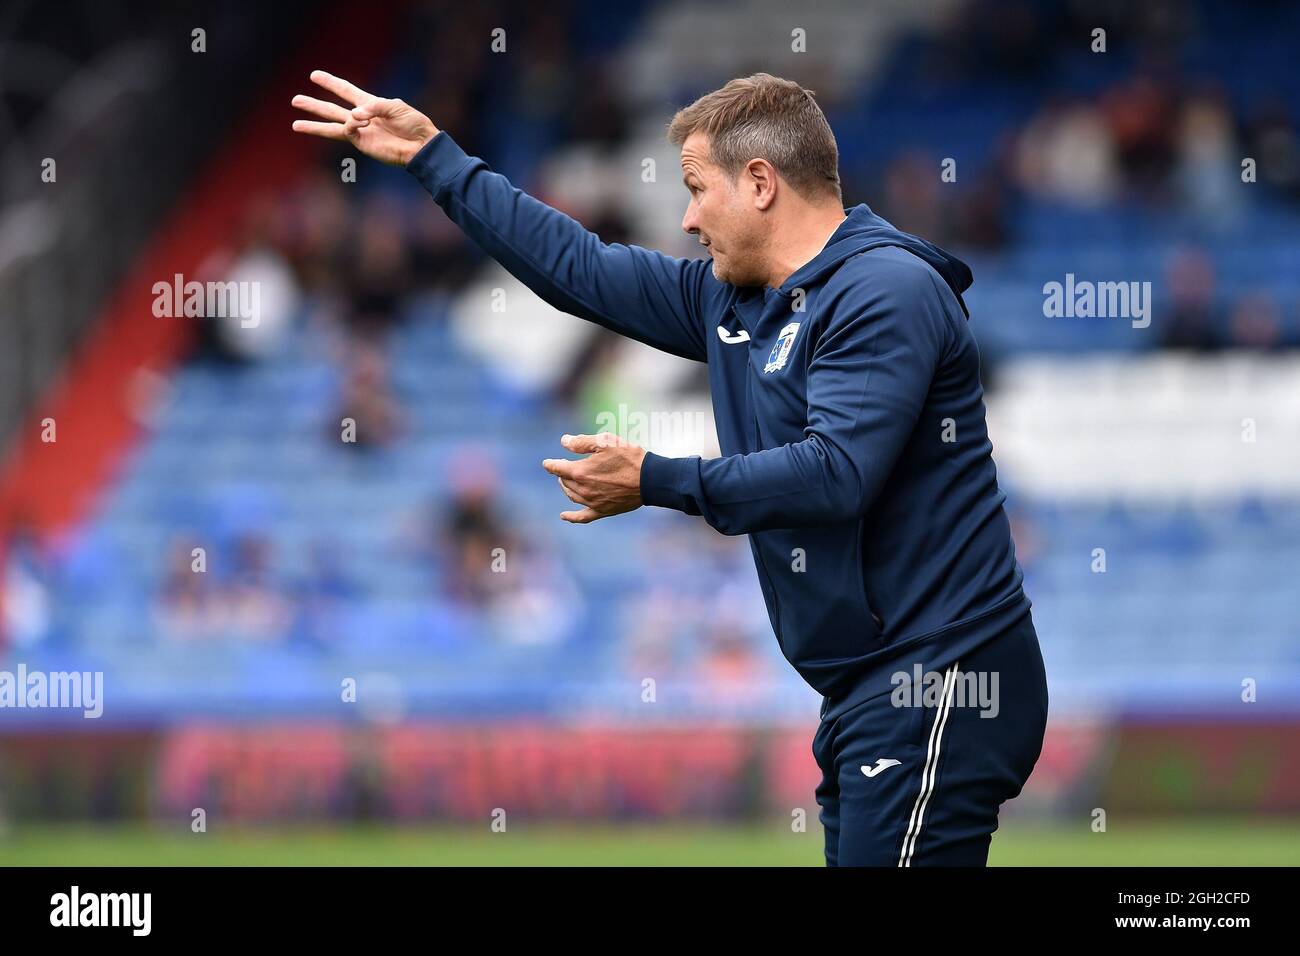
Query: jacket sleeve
{"x": 645, "y": 295}
{"x": 868, "y": 379}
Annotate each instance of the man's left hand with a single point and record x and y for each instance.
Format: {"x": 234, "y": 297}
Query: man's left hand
{"x": 607, "y": 483}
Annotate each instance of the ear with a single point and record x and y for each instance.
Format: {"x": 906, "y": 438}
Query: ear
{"x": 760, "y": 178}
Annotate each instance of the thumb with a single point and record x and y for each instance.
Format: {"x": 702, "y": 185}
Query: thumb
{"x": 376, "y": 107}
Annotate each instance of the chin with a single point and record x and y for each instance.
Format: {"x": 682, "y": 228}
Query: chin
{"x": 733, "y": 276}
{"x": 722, "y": 272}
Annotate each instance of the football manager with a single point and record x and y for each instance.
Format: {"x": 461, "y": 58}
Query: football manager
{"x": 850, "y": 415}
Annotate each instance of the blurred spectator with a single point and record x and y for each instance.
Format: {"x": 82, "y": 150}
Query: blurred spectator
{"x": 1067, "y": 153}
{"x": 1208, "y": 157}
{"x": 1256, "y": 322}
{"x": 377, "y": 275}
{"x": 253, "y": 603}
{"x": 1274, "y": 144}
{"x": 27, "y": 581}
{"x": 522, "y": 588}
{"x": 540, "y": 603}
{"x": 367, "y": 398}
{"x": 473, "y": 534}
{"x": 262, "y": 331}
{"x": 186, "y": 606}
{"x": 322, "y": 596}
{"x": 256, "y": 321}
{"x": 1140, "y": 115}
{"x": 1193, "y": 317}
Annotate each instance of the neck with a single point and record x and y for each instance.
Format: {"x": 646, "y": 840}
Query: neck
{"x": 800, "y": 238}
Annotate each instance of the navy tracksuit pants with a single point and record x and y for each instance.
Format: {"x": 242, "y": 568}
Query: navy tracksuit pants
{"x": 916, "y": 777}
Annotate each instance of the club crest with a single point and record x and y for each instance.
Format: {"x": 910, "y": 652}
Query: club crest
{"x": 781, "y": 349}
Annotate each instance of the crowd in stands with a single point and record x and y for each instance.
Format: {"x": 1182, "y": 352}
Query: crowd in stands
{"x": 354, "y": 261}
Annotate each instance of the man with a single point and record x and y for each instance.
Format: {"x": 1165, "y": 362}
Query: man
{"x": 846, "y": 389}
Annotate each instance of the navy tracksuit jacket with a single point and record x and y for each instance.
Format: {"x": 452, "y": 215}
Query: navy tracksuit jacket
{"x": 851, "y": 422}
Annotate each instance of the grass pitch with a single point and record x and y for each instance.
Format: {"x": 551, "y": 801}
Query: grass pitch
{"x": 1155, "y": 843}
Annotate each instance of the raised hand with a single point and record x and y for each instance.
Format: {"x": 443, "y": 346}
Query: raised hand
{"x": 606, "y": 483}
{"x": 386, "y": 130}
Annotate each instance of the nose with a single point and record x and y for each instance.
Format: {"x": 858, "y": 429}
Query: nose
{"x": 690, "y": 221}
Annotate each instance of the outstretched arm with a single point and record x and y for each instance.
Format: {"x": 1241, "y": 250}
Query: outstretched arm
{"x": 645, "y": 295}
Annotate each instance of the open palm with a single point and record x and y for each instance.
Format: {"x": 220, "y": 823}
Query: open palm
{"x": 386, "y": 130}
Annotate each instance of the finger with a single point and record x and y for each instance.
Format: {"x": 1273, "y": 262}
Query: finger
{"x": 320, "y": 108}
{"x": 580, "y": 444}
{"x": 561, "y": 466}
{"x": 352, "y": 95}
{"x": 326, "y": 130}
{"x": 585, "y": 516}
{"x": 573, "y": 495}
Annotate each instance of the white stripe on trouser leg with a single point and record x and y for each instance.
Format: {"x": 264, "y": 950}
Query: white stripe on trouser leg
{"x": 930, "y": 772}
{"x": 925, "y": 775}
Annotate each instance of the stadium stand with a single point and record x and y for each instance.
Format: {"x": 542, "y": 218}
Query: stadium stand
{"x": 328, "y": 557}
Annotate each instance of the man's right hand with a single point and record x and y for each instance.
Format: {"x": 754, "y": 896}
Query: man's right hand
{"x": 386, "y": 130}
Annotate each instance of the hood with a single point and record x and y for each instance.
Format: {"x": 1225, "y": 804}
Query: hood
{"x": 864, "y": 230}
